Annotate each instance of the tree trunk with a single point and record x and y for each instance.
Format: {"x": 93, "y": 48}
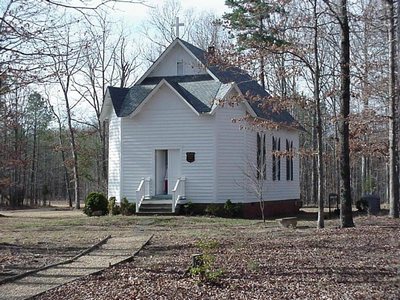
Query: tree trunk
{"x": 61, "y": 144}
{"x": 262, "y": 60}
{"x": 33, "y": 168}
{"x": 317, "y": 100}
{"x": 346, "y": 214}
{"x": 314, "y": 171}
{"x": 393, "y": 165}
{"x": 74, "y": 154}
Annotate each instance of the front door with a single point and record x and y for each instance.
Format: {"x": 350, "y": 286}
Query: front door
{"x": 167, "y": 163}
{"x": 174, "y": 168}
{"x": 161, "y": 185}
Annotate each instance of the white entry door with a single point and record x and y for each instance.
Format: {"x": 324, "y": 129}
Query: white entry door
{"x": 161, "y": 172}
{"x": 174, "y": 168}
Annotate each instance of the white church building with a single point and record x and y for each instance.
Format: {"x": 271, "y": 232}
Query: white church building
{"x": 171, "y": 140}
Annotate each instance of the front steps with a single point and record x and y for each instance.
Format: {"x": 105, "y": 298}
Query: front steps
{"x": 156, "y": 205}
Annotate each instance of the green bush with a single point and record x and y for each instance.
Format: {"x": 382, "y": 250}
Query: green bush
{"x": 214, "y": 210}
{"x": 113, "y": 209}
{"x": 127, "y": 208}
{"x": 232, "y": 210}
{"x": 188, "y": 208}
{"x": 205, "y": 267}
{"x": 96, "y": 204}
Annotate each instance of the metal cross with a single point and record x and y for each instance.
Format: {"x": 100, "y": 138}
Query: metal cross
{"x": 177, "y": 25}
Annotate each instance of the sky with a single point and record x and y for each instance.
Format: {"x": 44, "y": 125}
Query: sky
{"x": 136, "y": 13}
{"x": 133, "y": 16}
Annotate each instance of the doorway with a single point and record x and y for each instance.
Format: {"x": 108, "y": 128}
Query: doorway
{"x": 167, "y": 171}
{"x": 161, "y": 179}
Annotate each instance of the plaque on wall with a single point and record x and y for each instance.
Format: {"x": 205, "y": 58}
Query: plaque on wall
{"x": 190, "y": 157}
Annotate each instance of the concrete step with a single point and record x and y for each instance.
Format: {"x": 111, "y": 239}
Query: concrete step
{"x": 156, "y": 207}
{"x": 157, "y": 202}
{"x": 161, "y": 197}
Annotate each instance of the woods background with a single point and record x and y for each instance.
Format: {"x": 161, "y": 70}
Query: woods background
{"x": 56, "y": 62}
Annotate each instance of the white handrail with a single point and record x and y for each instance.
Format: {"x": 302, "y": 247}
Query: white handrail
{"x": 140, "y": 194}
{"x": 178, "y": 192}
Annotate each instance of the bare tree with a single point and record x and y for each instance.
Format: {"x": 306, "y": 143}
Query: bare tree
{"x": 107, "y": 60}
{"x": 65, "y": 67}
{"x": 393, "y": 106}
{"x": 202, "y": 29}
{"x": 346, "y": 215}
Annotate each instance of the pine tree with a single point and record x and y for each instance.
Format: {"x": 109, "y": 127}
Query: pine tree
{"x": 249, "y": 24}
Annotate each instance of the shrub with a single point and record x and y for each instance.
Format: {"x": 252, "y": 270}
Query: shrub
{"x": 113, "y": 209}
{"x": 96, "y": 203}
{"x": 214, "y": 210}
{"x": 204, "y": 264}
{"x": 188, "y": 208}
{"x": 232, "y": 209}
{"x": 127, "y": 208}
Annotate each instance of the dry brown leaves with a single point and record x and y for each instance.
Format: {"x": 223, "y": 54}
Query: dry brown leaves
{"x": 18, "y": 259}
{"x": 356, "y": 263}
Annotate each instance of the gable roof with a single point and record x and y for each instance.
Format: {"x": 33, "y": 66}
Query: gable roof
{"x": 249, "y": 87}
{"x": 200, "y": 91}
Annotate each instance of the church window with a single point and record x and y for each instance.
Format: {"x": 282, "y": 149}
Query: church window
{"x": 289, "y": 160}
{"x": 261, "y": 159}
{"x": 276, "y": 160}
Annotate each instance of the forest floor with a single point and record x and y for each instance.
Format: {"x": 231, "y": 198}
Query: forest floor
{"x": 246, "y": 259}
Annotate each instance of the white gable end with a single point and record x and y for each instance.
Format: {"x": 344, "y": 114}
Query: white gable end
{"x": 166, "y": 122}
{"x": 178, "y": 62}
{"x": 161, "y": 85}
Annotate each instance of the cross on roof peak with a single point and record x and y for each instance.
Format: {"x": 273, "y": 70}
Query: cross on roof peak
{"x": 177, "y": 25}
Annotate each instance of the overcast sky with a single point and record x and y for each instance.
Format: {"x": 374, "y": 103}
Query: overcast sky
{"x": 136, "y": 13}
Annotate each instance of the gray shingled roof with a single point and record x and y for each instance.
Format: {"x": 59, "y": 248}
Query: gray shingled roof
{"x": 125, "y": 101}
{"x": 200, "y": 91}
{"x": 249, "y": 87}
{"x": 117, "y": 96}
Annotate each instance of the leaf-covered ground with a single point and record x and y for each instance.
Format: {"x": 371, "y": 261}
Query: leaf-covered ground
{"x": 258, "y": 262}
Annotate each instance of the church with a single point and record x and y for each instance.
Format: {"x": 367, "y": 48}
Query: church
{"x": 172, "y": 139}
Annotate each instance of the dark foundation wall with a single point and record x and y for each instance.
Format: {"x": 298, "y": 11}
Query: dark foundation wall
{"x": 246, "y": 210}
{"x": 272, "y": 209}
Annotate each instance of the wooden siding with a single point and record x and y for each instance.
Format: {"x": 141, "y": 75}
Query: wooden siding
{"x": 276, "y": 189}
{"x": 114, "y": 160}
{"x": 230, "y": 141}
{"x": 168, "y": 67}
{"x": 166, "y": 122}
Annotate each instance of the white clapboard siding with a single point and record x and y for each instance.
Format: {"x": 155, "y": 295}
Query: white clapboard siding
{"x": 168, "y": 66}
{"x": 114, "y": 153}
{"x": 283, "y": 189}
{"x": 279, "y": 189}
{"x": 166, "y": 122}
{"x": 230, "y": 141}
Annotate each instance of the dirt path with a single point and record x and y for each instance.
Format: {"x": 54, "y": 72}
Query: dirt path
{"x": 116, "y": 250}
